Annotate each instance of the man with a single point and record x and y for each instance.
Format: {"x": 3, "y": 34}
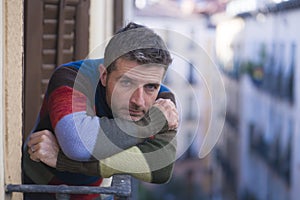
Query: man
{"x": 123, "y": 124}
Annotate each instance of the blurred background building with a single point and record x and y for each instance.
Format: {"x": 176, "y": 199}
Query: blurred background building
{"x": 254, "y": 43}
{"x": 247, "y": 48}
{"x": 257, "y": 50}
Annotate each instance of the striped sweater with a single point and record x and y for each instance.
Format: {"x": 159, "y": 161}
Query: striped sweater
{"x": 92, "y": 144}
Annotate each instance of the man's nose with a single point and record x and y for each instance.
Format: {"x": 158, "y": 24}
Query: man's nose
{"x": 138, "y": 97}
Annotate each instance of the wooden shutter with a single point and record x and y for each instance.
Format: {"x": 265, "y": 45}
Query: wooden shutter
{"x": 56, "y": 32}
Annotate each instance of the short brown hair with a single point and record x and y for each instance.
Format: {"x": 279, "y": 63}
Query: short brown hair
{"x": 137, "y": 43}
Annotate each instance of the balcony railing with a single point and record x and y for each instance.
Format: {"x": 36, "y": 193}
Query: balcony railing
{"x": 120, "y": 187}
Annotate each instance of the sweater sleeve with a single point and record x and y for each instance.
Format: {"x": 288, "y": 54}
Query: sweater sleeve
{"x": 81, "y": 134}
{"x": 150, "y": 161}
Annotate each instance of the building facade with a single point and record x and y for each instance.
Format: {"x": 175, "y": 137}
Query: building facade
{"x": 258, "y": 154}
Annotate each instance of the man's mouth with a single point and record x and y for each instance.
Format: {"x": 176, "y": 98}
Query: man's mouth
{"x": 136, "y": 112}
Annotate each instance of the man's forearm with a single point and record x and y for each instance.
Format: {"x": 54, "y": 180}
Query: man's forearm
{"x": 151, "y": 161}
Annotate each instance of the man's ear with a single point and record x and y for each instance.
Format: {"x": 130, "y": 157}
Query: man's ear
{"x": 103, "y": 74}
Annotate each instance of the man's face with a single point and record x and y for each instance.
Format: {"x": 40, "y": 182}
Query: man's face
{"x": 131, "y": 89}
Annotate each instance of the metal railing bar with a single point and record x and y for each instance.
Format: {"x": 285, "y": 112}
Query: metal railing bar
{"x": 121, "y": 186}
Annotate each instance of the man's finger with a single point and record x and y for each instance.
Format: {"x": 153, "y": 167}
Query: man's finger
{"x": 40, "y": 133}
{"x": 33, "y": 155}
{"x": 32, "y": 142}
{"x": 45, "y": 138}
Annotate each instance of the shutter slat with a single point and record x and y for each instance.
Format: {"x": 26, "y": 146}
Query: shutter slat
{"x": 68, "y": 51}
{"x": 49, "y": 56}
{"x": 49, "y": 37}
{"x": 49, "y": 41}
{"x": 70, "y": 12}
{"x": 45, "y": 81}
{"x": 48, "y": 22}
{"x": 69, "y": 26}
{"x": 69, "y": 42}
{"x": 50, "y": 26}
{"x": 50, "y": 11}
{"x": 70, "y": 22}
{"x": 48, "y": 67}
{"x": 49, "y": 51}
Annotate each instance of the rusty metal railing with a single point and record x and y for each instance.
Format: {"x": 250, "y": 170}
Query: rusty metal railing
{"x": 120, "y": 187}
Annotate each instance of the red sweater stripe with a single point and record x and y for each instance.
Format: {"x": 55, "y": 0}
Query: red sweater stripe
{"x": 63, "y": 101}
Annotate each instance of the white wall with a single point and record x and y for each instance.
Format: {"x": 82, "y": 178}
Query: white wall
{"x": 101, "y": 24}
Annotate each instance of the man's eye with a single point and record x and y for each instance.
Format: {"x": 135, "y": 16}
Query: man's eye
{"x": 151, "y": 87}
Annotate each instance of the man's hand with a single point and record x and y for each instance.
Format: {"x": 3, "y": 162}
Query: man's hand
{"x": 169, "y": 110}
{"x": 43, "y": 146}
